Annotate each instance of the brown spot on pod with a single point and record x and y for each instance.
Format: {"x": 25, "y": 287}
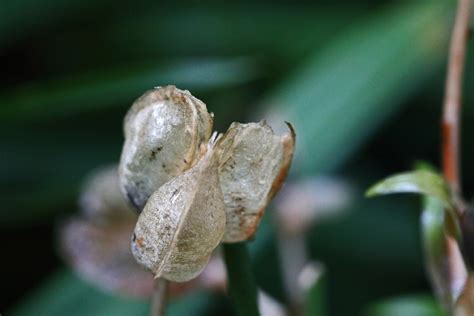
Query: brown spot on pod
{"x": 182, "y": 222}
{"x": 253, "y": 166}
{"x": 164, "y": 130}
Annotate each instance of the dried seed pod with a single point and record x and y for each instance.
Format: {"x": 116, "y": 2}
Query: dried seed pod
{"x": 101, "y": 254}
{"x": 101, "y": 199}
{"x": 182, "y": 222}
{"x": 253, "y": 166}
{"x": 163, "y": 129}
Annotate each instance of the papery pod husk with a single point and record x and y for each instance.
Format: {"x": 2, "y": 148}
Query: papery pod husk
{"x": 164, "y": 130}
{"x": 253, "y": 165}
{"x": 101, "y": 255}
{"x": 182, "y": 222}
{"x": 101, "y": 199}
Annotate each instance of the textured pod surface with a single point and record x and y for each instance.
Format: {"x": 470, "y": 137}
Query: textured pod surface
{"x": 163, "y": 129}
{"x": 253, "y": 165}
{"x": 182, "y": 223}
{"x": 101, "y": 199}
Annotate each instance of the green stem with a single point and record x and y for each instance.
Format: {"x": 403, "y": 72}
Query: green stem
{"x": 242, "y": 287}
{"x": 159, "y": 298}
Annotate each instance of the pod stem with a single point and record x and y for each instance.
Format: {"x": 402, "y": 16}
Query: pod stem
{"x": 242, "y": 287}
{"x": 159, "y": 298}
{"x": 453, "y": 96}
{"x": 451, "y": 145}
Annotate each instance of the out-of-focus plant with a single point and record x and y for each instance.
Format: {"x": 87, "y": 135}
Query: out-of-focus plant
{"x": 416, "y": 305}
{"x": 447, "y": 222}
{"x": 298, "y": 207}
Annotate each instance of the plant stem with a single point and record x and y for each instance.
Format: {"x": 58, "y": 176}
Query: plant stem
{"x": 242, "y": 287}
{"x": 451, "y": 138}
{"x": 453, "y": 93}
{"x": 159, "y": 298}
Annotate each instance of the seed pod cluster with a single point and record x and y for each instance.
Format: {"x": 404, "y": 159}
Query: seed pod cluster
{"x": 182, "y": 223}
{"x": 96, "y": 243}
{"x": 207, "y": 194}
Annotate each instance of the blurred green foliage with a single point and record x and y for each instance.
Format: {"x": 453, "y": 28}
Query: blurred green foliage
{"x": 65, "y": 294}
{"x": 413, "y": 305}
{"x": 361, "y": 82}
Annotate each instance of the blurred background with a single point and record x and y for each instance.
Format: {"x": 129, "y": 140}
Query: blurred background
{"x": 361, "y": 81}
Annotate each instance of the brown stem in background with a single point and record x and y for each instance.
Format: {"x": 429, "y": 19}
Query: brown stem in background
{"x": 451, "y": 139}
{"x": 453, "y": 92}
{"x": 159, "y": 298}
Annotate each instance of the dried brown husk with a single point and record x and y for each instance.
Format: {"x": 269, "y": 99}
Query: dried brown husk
{"x": 164, "y": 130}
{"x": 253, "y": 166}
{"x": 182, "y": 222}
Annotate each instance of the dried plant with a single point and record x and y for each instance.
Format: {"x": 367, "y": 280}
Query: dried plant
{"x": 192, "y": 190}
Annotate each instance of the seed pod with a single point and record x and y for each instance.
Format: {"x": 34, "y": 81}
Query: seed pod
{"x": 97, "y": 245}
{"x": 101, "y": 200}
{"x": 163, "y": 129}
{"x": 100, "y": 254}
{"x": 253, "y": 166}
{"x": 182, "y": 222}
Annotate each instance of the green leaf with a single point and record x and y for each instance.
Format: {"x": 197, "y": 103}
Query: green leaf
{"x": 120, "y": 87}
{"x": 316, "y": 304}
{"x": 367, "y": 258}
{"x": 434, "y": 247}
{"x": 421, "y": 181}
{"x": 305, "y": 29}
{"x": 432, "y": 226}
{"x": 65, "y": 294}
{"x": 25, "y": 16}
{"x": 241, "y": 281}
{"x": 358, "y": 80}
{"x": 419, "y": 305}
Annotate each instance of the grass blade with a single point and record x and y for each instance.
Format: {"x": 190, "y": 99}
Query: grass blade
{"x": 358, "y": 81}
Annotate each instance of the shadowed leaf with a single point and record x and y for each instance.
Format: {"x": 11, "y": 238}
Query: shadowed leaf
{"x": 420, "y": 181}
{"x": 404, "y": 306}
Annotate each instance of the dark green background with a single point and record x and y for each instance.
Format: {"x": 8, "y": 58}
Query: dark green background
{"x": 362, "y": 81}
